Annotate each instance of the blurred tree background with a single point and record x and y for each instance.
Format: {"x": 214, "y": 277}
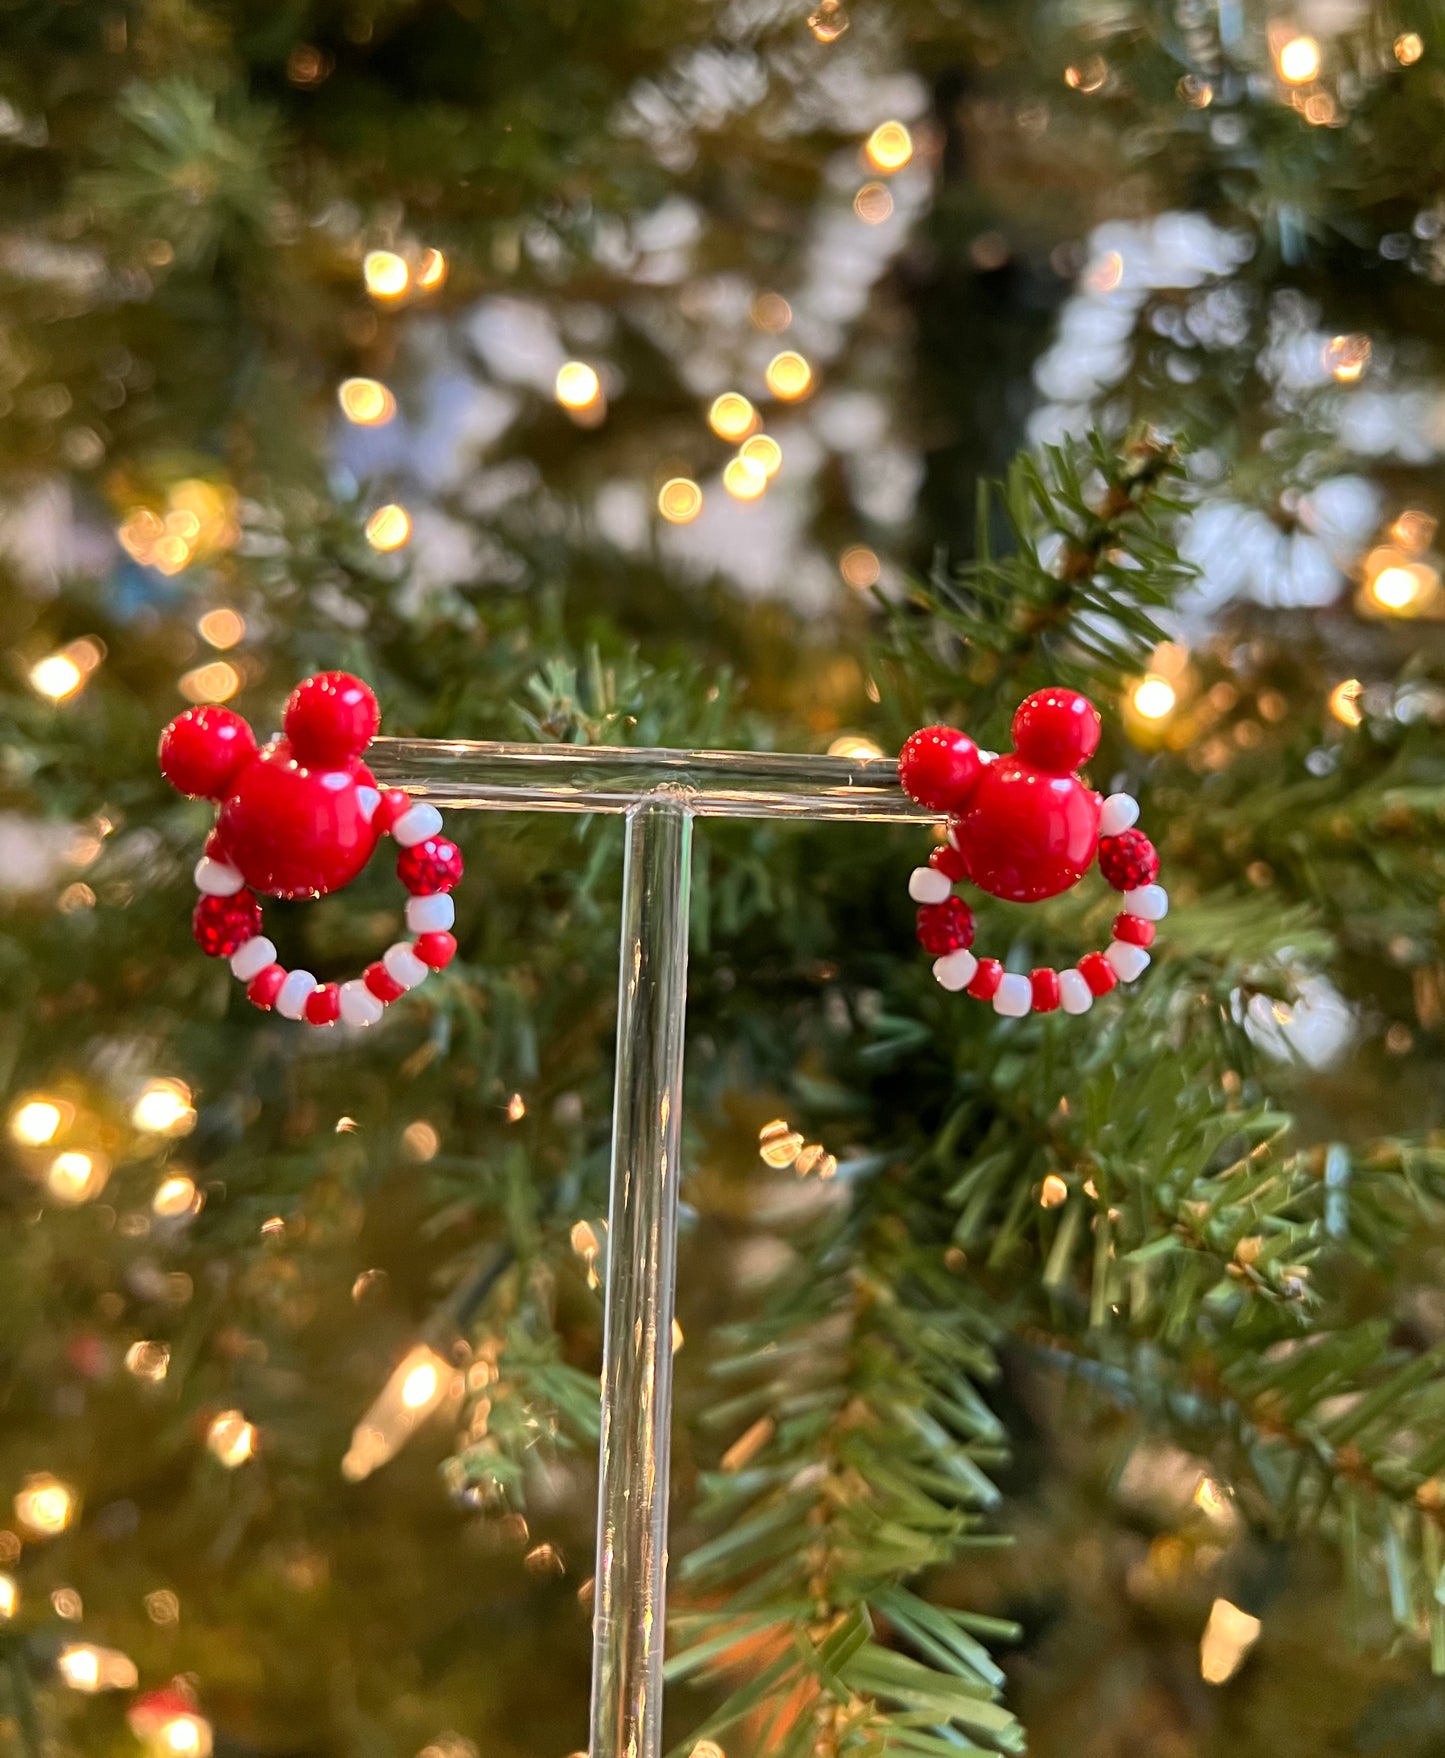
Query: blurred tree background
{"x": 627, "y": 373}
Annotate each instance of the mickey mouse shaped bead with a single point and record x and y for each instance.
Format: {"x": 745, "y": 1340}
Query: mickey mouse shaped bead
{"x": 1025, "y": 827}
{"x": 300, "y": 818}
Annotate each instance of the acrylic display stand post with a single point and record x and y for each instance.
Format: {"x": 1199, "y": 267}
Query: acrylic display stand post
{"x": 660, "y": 793}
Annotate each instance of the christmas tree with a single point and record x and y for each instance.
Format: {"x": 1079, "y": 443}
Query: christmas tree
{"x": 731, "y": 376}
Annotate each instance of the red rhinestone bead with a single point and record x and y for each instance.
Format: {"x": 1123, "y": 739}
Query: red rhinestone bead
{"x": 945, "y": 927}
{"x": 1045, "y": 984}
{"x": 381, "y": 983}
{"x": 436, "y": 949}
{"x": 1133, "y": 929}
{"x": 267, "y": 986}
{"x": 394, "y": 801}
{"x": 1128, "y": 860}
{"x": 1097, "y": 972}
{"x": 986, "y": 979}
{"x": 220, "y": 924}
{"x": 323, "y": 1005}
{"x": 429, "y": 866}
{"x": 947, "y": 860}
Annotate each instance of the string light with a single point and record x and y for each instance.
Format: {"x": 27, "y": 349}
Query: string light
{"x": 60, "y": 675}
{"x": 859, "y": 567}
{"x": 732, "y": 416}
{"x": 366, "y": 401}
{"x": 215, "y": 682}
{"x": 764, "y": 451}
{"x": 388, "y": 528}
{"x": 44, "y": 1505}
{"x": 87, "y": 1668}
{"x": 175, "y": 1196}
{"x": 1409, "y": 47}
{"x": 9, "y": 1597}
{"x": 1345, "y": 702}
{"x": 789, "y": 376}
{"x": 873, "y": 204}
{"x": 1396, "y": 588}
{"x": 679, "y": 500}
{"x": 35, "y": 1122}
{"x": 163, "y": 1107}
{"x": 386, "y": 274}
{"x": 433, "y": 270}
{"x": 829, "y": 21}
{"x": 148, "y": 1361}
{"x": 1413, "y": 530}
{"x": 578, "y": 386}
{"x": 1196, "y": 92}
{"x": 1228, "y": 1637}
{"x": 199, "y": 520}
{"x": 854, "y": 745}
{"x": 222, "y": 628}
{"x": 889, "y": 147}
{"x": 771, "y": 313}
{"x": 419, "y": 1384}
{"x": 75, "y": 1177}
{"x": 744, "y": 479}
{"x": 1347, "y": 357}
{"x": 1089, "y": 78}
{"x": 1053, "y": 1191}
{"x": 1298, "y": 60}
{"x": 232, "y": 1439}
{"x": 779, "y": 1144}
{"x": 1154, "y": 697}
{"x": 516, "y": 1108}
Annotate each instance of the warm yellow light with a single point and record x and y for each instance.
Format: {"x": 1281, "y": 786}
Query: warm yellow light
{"x": 829, "y": 21}
{"x": 187, "y": 1735}
{"x": 743, "y": 479}
{"x": 417, "y": 1386}
{"x": 366, "y": 401}
{"x": 385, "y": 274}
{"x": 388, "y": 527}
{"x": 231, "y": 1438}
{"x": 771, "y": 312}
{"x": 584, "y": 1240}
{"x": 859, "y": 567}
{"x": 1088, "y": 78}
{"x": 148, "y": 1360}
{"x": 1228, "y": 1637}
{"x": 578, "y": 386}
{"x": 215, "y": 682}
{"x": 1298, "y": 60}
{"x": 74, "y": 1177}
{"x": 1153, "y": 698}
{"x": 732, "y": 416}
{"x": 1409, "y": 47}
{"x": 420, "y": 1385}
{"x": 163, "y": 1107}
{"x": 1395, "y": 588}
{"x": 854, "y": 745}
{"x": 873, "y": 204}
{"x": 9, "y": 1597}
{"x": 1413, "y": 529}
{"x": 764, "y": 451}
{"x": 433, "y": 270}
{"x": 34, "y": 1122}
{"x": 57, "y": 676}
{"x": 222, "y": 627}
{"x": 1345, "y": 702}
{"x": 679, "y": 500}
{"x": 1053, "y": 1192}
{"x": 44, "y": 1505}
{"x": 1347, "y": 357}
{"x": 516, "y": 1108}
{"x": 80, "y": 1668}
{"x": 789, "y": 376}
{"x": 175, "y": 1196}
{"x": 779, "y": 1144}
{"x": 889, "y": 147}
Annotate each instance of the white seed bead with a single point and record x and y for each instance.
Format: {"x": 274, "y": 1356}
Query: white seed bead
{"x": 928, "y": 885}
{"x": 251, "y": 959}
{"x": 955, "y": 969}
{"x": 988, "y": 756}
{"x": 359, "y": 1007}
{"x": 430, "y": 915}
{"x": 416, "y": 824}
{"x": 1149, "y": 901}
{"x": 403, "y": 966}
{"x": 292, "y": 996}
{"x": 1014, "y": 995}
{"x": 216, "y": 879}
{"x": 1119, "y": 813}
{"x": 1075, "y": 995}
{"x": 368, "y": 798}
{"x": 1129, "y": 961}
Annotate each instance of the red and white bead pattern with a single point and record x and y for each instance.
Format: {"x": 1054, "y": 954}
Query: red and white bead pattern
{"x": 428, "y": 865}
{"x": 1045, "y": 990}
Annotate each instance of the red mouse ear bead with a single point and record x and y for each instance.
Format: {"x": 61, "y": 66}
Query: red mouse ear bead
{"x": 939, "y": 767}
{"x": 1056, "y": 730}
{"x": 202, "y": 750}
{"x": 331, "y": 719}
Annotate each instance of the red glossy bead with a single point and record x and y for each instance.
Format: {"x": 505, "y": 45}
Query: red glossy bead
{"x": 437, "y": 949}
{"x": 394, "y": 801}
{"x": 1045, "y": 985}
{"x": 1056, "y": 730}
{"x": 1128, "y": 860}
{"x": 266, "y": 986}
{"x": 939, "y": 767}
{"x": 945, "y": 927}
{"x": 1027, "y": 834}
{"x": 381, "y": 982}
{"x": 331, "y": 718}
{"x": 947, "y": 860}
{"x": 295, "y": 831}
{"x": 323, "y": 1005}
{"x": 429, "y": 866}
{"x": 986, "y": 979}
{"x": 1097, "y": 972}
{"x": 202, "y": 751}
{"x": 1133, "y": 929}
{"x": 221, "y": 924}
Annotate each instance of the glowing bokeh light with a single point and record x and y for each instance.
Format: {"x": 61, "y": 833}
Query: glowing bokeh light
{"x": 889, "y": 147}
{"x": 732, "y": 416}
{"x": 578, "y": 386}
{"x": 1409, "y": 47}
{"x": 163, "y": 1107}
{"x": 859, "y": 567}
{"x": 1345, "y": 702}
{"x": 1154, "y": 698}
{"x": 231, "y": 1438}
{"x": 34, "y": 1122}
{"x": 1298, "y": 60}
{"x": 789, "y": 376}
{"x": 216, "y": 681}
{"x": 386, "y": 274}
{"x": 222, "y": 628}
{"x": 388, "y": 528}
{"x": 764, "y": 451}
{"x": 366, "y": 401}
{"x": 75, "y": 1177}
{"x": 44, "y": 1505}
{"x": 1346, "y": 357}
{"x": 743, "y": 479}
{"x": 679, "y": 500}
{"x": 873, "y": 204}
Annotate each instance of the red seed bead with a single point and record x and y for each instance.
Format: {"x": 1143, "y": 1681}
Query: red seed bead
{"x": 1045, "y": 984}
{"x": 381, "y": 983}
{"x": 939, "y": 766}
{"x": 323, "y": 1005}
{"x": 330, "y": 718}
{"x": 1128, "y": 860}
{"x": 1134, "y": 929}
{"x": 947, "y": 860}
{"x": 986, "y": 979}
{"x": 1097, "y": 972}
{"x": 429, "y": 866}
{"x": 945, "y": 927}
{"x": 266, "y": 986}
{"x": 220, "y": 924}
{"x": 436, "y": 949}
{"x": 203, "y": 750}
{"x": 394, "y": 801}
{"x": 1056, "y": 730}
